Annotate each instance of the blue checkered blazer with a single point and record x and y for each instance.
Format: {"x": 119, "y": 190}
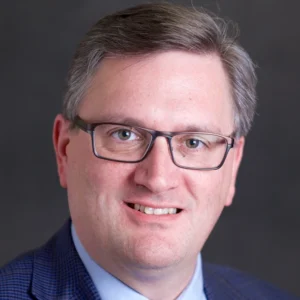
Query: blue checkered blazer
{"x": 55, "y": 271}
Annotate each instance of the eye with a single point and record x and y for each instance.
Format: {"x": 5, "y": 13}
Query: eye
{"x": 194, "y": 143}
{"x": 124, "y": 135}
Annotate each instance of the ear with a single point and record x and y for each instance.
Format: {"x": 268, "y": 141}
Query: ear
{"x": 237, "y": 157}
{"x": 61, "y": 140}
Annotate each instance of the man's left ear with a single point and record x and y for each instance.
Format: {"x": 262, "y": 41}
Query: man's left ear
{"x": 237, "y": 157}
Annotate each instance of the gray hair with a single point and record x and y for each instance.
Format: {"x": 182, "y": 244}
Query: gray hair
{"x": 151, "y": 28}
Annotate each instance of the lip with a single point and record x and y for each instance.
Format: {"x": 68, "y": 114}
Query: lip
{"x": 153, "y": 205}
{"x": 137, "y": 216}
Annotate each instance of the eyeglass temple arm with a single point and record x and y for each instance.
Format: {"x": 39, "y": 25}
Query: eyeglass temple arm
{"x": 83, "y": 125}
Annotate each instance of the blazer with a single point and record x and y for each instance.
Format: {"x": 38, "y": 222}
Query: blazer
{"x": 55, "y": 271}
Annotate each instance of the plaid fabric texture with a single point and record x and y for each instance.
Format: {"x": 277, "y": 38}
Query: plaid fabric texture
{"x": 55, "y": 271}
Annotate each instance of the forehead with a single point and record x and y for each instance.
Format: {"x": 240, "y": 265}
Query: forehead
{"x": 165, "y": 91}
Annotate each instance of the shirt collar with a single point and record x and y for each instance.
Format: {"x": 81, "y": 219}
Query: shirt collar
{"x": 109, "y": 287}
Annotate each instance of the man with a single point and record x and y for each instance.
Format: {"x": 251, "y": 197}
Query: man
{"x": 158, "y": 103}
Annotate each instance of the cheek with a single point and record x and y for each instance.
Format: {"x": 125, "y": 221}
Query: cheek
{"x": 206, "y": 199}
{"x": 206, "y": 186}
{"x": 209, "y": 191}
{"x": 95, "y": 189}
{"x": 96, "y": 184}
{"x": 81, "y": 193}
{"x": 106, "y": 178}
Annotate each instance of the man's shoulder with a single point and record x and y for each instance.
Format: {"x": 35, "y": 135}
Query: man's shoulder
{"x": 241, "y": 284}
{"x": 15, "y": 277}
{"x": 52, "y": 271}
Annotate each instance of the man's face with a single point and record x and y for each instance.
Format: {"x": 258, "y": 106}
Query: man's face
{"x": 170, "y": 91}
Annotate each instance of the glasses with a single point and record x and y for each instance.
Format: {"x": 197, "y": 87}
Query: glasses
{"x": 131, "y": 144}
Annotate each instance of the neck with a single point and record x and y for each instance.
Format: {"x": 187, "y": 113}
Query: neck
{"x": 152, "y": 282}
{"x": 165, "y": 283}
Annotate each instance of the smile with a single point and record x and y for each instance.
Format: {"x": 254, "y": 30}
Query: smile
{"x": 154, "y": 211}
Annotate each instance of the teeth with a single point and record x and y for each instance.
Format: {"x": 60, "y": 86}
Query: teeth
{"x": 172, "y": 211}
{"x": 165, "y": 211}
{"x": 149, "y": 210}
{"x": 156, "y": 211}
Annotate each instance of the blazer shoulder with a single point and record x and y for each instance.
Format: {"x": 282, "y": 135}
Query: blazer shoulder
{"x": 244, "y": 284}
{"x": 15, "y": 277}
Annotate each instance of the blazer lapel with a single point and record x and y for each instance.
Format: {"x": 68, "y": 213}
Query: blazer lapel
{"x": 216, "y": 287}
{"x": 58, "y": 272}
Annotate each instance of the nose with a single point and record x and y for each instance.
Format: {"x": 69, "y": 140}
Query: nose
{"x": 157, "y": 172}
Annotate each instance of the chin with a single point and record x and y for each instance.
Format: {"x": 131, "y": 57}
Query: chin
{"x": 156, "y": 253}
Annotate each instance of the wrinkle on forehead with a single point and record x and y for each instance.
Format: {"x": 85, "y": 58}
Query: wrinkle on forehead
{"x": 164, "y": 84}
{"x": 113, "y": 66}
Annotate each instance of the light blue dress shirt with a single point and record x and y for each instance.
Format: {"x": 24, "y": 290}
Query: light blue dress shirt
{"x": 110, "y": 288}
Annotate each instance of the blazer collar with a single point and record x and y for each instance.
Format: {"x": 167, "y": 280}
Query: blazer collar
{"x": 58, "y": 272}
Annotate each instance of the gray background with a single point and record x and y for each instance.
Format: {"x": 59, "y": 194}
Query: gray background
{"x": 258, "y": 234}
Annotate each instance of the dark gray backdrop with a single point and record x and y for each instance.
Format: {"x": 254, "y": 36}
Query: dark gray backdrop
{"x": 258, "y": 234}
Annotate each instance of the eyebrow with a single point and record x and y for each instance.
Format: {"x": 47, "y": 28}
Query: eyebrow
{"x": 184, "y": 127}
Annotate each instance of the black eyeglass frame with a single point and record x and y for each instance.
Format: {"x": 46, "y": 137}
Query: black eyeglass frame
{"x": 90, "y": 129}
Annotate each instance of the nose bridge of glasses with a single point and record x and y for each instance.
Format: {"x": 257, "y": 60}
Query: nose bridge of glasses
{"x": 165, "y": 135}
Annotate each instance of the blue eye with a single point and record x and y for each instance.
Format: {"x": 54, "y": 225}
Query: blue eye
{"x": 194, "y": 143}
{"x": 124, "y": 135}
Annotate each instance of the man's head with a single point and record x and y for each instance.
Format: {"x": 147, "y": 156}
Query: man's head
{"x": 151, "y": 28}
{"x": 164, "y": 68}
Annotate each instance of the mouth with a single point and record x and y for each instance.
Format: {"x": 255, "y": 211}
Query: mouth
{"x": 154, "y": 210}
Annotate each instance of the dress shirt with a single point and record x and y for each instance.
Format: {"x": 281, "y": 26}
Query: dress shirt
{"x": 109, "y": 287}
